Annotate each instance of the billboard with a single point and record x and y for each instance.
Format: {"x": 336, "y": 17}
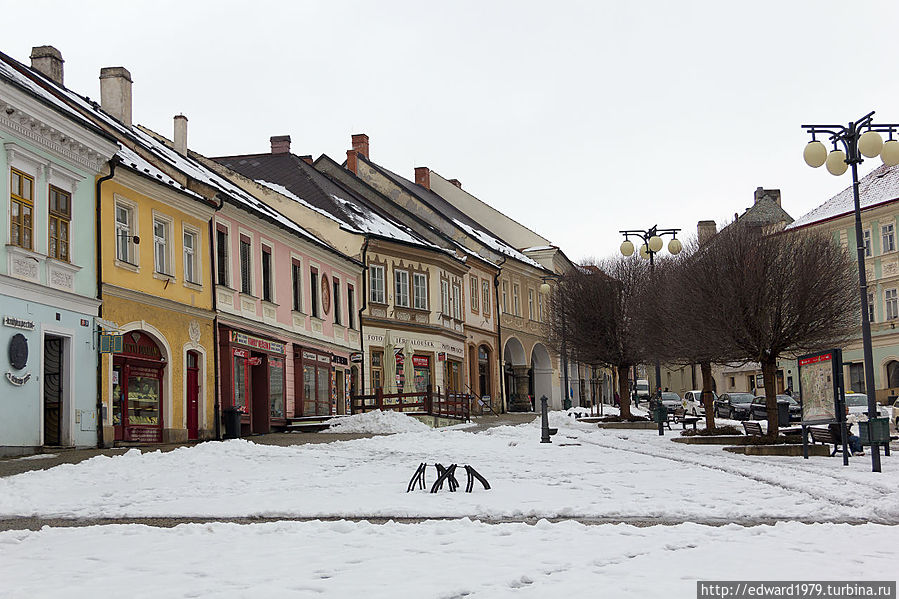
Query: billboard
{"x": 819, "y": 385}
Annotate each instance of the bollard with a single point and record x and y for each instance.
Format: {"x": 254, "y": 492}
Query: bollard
{"x": 544, "y": 428}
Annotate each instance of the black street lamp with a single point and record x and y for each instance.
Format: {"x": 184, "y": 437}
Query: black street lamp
{"x": 652, "y": 244}
{"x": 856, "y": 144}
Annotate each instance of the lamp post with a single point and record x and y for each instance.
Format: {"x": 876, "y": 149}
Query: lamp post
{"x": 855, "y": 144}
{"x": 545, "y": 289}
{"x": 652, "y": 244}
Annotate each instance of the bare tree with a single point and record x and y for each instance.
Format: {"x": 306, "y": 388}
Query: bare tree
{"x": 593, "y": 313}
{"x": 757, "y": 297}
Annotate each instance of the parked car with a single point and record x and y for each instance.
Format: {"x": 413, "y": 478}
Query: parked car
{"x": 693, "y": 402}
{"x": 758, "y": 409}
{"x": 671, "y": 400}
{"x": 857, "y": 405}
{"x": 642, "y": 389}
{"x": 734, "y": 406}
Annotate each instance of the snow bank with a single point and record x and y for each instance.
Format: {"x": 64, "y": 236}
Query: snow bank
{"x": 585, "y": 472}
{"x": 378, "y": 423}
{"x": 431, "y": 559}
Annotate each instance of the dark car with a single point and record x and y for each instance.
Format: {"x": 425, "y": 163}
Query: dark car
{"x": 734, "y": 406}
{"x": 671, "y": 400}
{"x": 758, "y": 410}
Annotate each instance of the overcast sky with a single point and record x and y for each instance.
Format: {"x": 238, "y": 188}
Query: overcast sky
{"x": 575, "y": 118}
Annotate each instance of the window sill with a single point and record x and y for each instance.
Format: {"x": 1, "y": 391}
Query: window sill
{"x": 270, "y": 303}
{"x": 377, "y": 304}
{"x": 298, "y": 314}
{"x": 192, "y": 285}
{"x": 127, "y": 265}
{"x": 249, "y": 296}
{"x": 164, "y": 277}
{"x": 225, "y": 288}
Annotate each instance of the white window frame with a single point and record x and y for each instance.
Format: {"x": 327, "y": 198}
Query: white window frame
{"x": 457, "y": 301}
{"x": 474, "y": 286}
{"x": 516, "y": 299}
{"x": 133, "y": 258}
{"x": 169, "y": 266}
{"x": 871, "y": 313}
{"x": 869, "y": 249}
{"x": 194, "y": 258}
{"x": 532, "y": 314}
{"x": 485, "y": 303}
{"x": 229, "y": 272}
{"x": 505, "y": 296}
{"x": 263, "y": 244}
{"x": 298, "y": 262}
{"x": 336, "y": 304}
{"x": 887, "y": 234}
{"x": 419, "y": 291}
{"x": 377, "y": 294}
{"x": 891, "y": 300}
{"x": 444, "y": 297}
{"x": 401, "y": 287}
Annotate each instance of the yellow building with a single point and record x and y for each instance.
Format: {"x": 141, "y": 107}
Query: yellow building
{"x": 156, "y": 290}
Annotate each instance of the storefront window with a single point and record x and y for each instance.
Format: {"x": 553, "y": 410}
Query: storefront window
{"x": 240, "y": 383}
{"x": 422, "y": 370}
{"x": 117, "y": 396}
{"x": 276, "y": 387}
{"x": 323, "y": 407}
{"x": 143, "y": 399}
{"x": 453, "y": 377}
{"x": 308, "y": 390}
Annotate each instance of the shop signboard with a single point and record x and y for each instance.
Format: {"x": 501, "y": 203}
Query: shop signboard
{"x": 356, "y": 357}
{"x": 111, "y": 344}
{"x": 257, "y": 342}
{"x": 339, "y": 360}
{"x": 820, "y": 385}
{"x": 420, "y": 361}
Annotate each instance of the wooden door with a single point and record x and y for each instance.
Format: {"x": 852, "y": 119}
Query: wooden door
{"x": 192, "y": 401}
{"x": 259, "y": 413}
{"x": 52, "y": 391}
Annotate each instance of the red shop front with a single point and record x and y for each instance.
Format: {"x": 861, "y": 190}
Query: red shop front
{"x": 252, "y": 372}
{"x": 137, "y": 385}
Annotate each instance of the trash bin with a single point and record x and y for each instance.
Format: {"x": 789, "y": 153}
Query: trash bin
{"x": 566, "y": 404}
{"x": 232, "y": 422}
{"x": 783, "y": 413}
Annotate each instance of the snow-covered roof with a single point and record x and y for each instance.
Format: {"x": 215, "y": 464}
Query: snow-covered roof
{"x": 538, "y": 248}
{"x": 8, "y": 70}
{"x": 497, "y": 245}
{"x": 132, "y": 160}
{"x": 879, "y": 186}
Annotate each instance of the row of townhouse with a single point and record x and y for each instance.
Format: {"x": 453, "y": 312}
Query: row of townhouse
{"x": 273, "y": 283}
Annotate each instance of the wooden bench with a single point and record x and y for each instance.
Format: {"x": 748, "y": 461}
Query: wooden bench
{"x": 753, "y": 429}
{"x": 825, "y": 436}
{"x": 689, "y": 420}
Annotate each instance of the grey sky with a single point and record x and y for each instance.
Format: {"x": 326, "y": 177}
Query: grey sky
{"x": 576, "y": 118}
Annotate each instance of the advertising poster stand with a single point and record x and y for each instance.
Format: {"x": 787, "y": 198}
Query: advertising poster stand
{"x": 821, "y": 394}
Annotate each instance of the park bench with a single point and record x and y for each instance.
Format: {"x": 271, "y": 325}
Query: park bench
{"x": 753, "y": 429}
{"x": 825, "y": 436}
{"x": 680, "y": 415}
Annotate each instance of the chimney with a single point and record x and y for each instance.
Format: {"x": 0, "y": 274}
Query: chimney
{"x": 307, "y": 158}
{"x": 115, "y": 93}
{"x": 360, "y": 144}
{"x": 180, "y": 137}
{"x": 351, "y": 161}
{"x": 280, "y": 144}
{"x": 47, "y": 60}
{"x": 456, "y": 182}
{"x": 771, "y": 194}
{"x": 706, "y": 229}
{"x": 423, "y": 176}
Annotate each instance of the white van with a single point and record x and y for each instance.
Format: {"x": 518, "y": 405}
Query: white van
{"x": 643, "y": 389}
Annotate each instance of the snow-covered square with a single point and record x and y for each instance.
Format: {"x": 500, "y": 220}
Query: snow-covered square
{"x": 595, "y": 509}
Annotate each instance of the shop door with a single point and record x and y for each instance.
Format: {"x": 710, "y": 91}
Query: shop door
{"x": 341, "y": 392}
{"x": 192, "y": 400}
{"x": 259, "y": 421}
{"x": 53, "y": 390}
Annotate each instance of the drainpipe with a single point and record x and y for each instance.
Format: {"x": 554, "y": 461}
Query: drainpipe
{"x": 113, "y": 162}
{"x": 499, "y": 337}
{"x": 362, "y": 306}
{"x": 216, "y": 409}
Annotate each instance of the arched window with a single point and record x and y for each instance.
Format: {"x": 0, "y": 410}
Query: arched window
{"x": 893, "y": 373}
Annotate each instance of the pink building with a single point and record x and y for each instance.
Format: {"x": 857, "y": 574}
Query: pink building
{"x": 287, "y": 305}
